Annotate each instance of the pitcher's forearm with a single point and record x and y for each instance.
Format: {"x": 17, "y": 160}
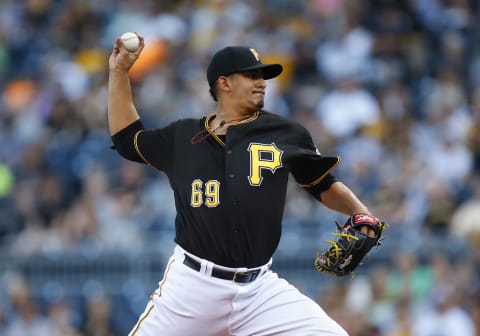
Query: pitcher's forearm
{"x": 121, "y": 110}
{"x": 340, "y": 198}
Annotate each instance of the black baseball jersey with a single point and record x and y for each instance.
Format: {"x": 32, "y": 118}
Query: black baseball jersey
{"x": 230, "y": 191}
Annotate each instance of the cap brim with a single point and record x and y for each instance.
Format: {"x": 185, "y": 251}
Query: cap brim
{"x": 269, "y": 70}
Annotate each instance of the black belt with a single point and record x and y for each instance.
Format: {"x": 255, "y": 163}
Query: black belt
{"x": 241, "y": 277}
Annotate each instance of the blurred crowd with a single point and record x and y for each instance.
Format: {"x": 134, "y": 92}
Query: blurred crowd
{"x": 393, "y": 87}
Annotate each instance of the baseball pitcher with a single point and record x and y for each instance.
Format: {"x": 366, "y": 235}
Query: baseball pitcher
{"x": 229, "y": 172}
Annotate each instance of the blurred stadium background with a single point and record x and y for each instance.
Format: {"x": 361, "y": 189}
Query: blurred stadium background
{"x": 393, "y": 87}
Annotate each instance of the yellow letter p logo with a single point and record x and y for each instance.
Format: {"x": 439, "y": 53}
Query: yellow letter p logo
{"x": 263, "y": 157}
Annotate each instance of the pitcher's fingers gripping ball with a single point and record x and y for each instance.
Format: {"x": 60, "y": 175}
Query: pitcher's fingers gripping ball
{"x": 351, "y": 246}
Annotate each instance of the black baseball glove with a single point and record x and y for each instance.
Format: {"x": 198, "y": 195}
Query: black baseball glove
{"x": 351, "y": 246}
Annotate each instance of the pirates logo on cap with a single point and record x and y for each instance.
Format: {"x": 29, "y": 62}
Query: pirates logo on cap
{"x": 255, "y": 53}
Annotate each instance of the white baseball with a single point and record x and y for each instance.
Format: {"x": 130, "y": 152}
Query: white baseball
{"x": 130, "y": 41}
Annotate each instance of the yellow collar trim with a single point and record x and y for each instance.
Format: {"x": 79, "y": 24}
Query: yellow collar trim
{"x": 233, "y": 123}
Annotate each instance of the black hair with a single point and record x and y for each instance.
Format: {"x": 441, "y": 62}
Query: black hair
{"x": 213, "y": 90}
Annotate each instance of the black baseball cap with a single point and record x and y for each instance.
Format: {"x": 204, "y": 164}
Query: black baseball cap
{"x": 234, "y": 59}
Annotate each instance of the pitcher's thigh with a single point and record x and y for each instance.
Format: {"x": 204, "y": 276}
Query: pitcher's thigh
{"x": 186, "y": 303}
{"x": 281, "y": 309}
{"x": 160, "y": 319}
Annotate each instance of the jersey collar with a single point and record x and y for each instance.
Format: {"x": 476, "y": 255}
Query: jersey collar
{"x": 234, "y": 123}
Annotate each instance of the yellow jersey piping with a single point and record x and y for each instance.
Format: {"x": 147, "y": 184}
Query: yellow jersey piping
{"x": 317, "y": 181}
{"x": 216, "y": 137}
{"x": 135, "y": 143}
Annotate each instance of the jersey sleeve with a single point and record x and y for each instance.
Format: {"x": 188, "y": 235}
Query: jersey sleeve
{"x": 156, "y": 147}
{"x": 123, "y": 141}
{"x": 323, "y": 185}
{"x": 152, "y": 147}
{"x": 309, "y": 167}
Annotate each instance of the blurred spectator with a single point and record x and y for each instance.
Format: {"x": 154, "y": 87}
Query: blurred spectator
{"x": 441, "y": 207}
{"x": 465, "y": 221}
{"x": 3, "y": 322}
{"x": 380, "y": 310}
{"x": 347, "y": 108}
{"x": 443, "y": 312}
{"x": 402, "y": 323}
{"x": 98, "y": 317}
{"x": 60, "y": 315}
{"x": 409, "y": 280}
{"x": 27, "y": 318}
{"x": 446, "y": 317}
{"x": 347, "y": 49}
{"x": 475, "y": 309}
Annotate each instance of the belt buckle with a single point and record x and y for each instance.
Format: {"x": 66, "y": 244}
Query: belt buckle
{"x": 245, "y": 277}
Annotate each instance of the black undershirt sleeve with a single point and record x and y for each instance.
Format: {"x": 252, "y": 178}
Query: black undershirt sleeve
{"x": 123, "y": 141}
{"x": 322, "y": 186}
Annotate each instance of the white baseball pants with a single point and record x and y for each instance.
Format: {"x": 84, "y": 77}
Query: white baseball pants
{"x": 193, "y": 303}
